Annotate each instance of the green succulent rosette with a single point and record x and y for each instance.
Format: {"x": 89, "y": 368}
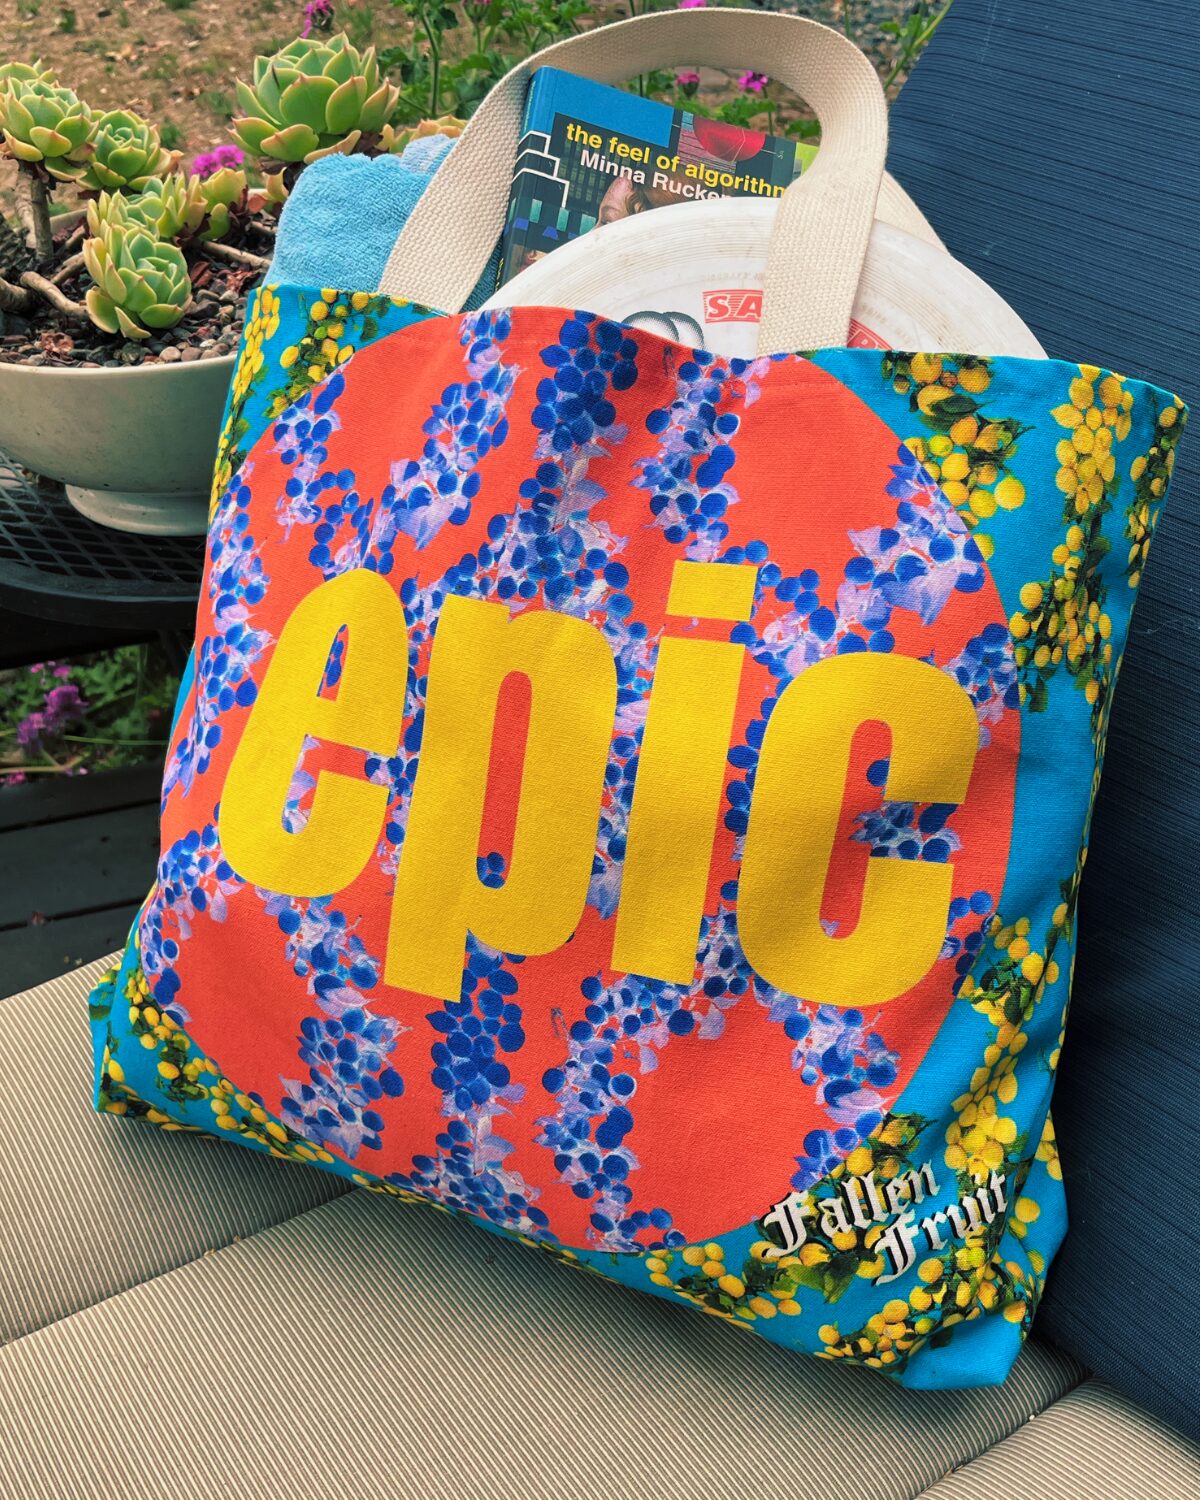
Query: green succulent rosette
{"x": 126, "y": 152}
{"x": 221, "y": 195}
{"x": 107, "y": 209}
{"x": 22, "y": 72}
{"x": 314, "y": 98}
{"x": 46, "y": 124}
{"x": 170, "y": 207}
{"x": 174, "y": 207}
{"x": 141, "y": 284}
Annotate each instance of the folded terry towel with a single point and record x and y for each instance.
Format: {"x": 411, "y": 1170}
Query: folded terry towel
{"x": 342, "y": 218}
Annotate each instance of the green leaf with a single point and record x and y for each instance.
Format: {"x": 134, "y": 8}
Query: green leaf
{"x": 835, "y": 1284}
{"x": 344, "y": 106}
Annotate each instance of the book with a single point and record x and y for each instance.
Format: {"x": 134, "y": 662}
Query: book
{"x": 590, "y": 154}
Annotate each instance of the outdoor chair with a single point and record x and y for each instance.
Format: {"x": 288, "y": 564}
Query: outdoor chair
{"x": 188, "y": 1320}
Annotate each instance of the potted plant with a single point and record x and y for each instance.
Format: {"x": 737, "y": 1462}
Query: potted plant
{"x": 119, "y": 318}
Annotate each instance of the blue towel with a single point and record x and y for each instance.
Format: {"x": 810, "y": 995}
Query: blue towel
{"x": 342, "y": 218}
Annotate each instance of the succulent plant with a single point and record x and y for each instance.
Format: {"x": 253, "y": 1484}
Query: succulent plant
{"x": 13, "y": 72}
{"x": 221, "y": 194}
{"x": 108, "y": 208}
{"x": 45, "y": 124}
{"x": 314, "y": 98}
{"x": 169, "y": 207}
{"x": 174, "y": 207}
{"x": 140, "y": 283}
{"x": 275, "y": 193}
{"x": 126, "y": 152}
{"x": 396, "y": 139}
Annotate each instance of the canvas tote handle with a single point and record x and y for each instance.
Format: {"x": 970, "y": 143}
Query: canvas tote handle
{"x": 824, "y": 222}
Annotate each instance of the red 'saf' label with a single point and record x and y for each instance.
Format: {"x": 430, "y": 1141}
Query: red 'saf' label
{"x": 733, "y": 305}
{"x": 862, "y": 337}
{"x": 744, "y": 305}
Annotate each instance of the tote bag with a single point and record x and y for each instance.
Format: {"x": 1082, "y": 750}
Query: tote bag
{"x": 635, "y": 798}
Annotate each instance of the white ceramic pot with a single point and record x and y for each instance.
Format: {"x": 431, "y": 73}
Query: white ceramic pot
{"x": 134, "y": 447}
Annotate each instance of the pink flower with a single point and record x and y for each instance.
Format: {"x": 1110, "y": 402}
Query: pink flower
{"x": 691, "y": 4}
{"x": 688, "y": 80}
{"x": 753, "y": 83}
{"x": 318, "y": 16}
{"x": 225, "y": 155}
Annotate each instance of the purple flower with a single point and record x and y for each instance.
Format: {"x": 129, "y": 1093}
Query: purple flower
{"x": 212, "y": 161}
{"x": 318, "y": 16}
{"x": 30, "y": 731}
{"x": 64, "y": 705}
{"x": 753, "y": 83}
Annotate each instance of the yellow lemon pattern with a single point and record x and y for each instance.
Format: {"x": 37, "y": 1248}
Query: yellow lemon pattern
{"x": 966, "y": 448}
{"x": 1151, "y": 473}
{"x": 758, "y": 1290}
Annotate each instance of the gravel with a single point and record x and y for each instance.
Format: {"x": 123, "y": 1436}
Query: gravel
{"x": 210, "y": 329}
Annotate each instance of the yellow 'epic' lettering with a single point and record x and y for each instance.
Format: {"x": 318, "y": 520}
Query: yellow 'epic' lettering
{"x": 439, "y": 899}
{"x": 712, "y": 591}
{"x": 677, "y": 799}
{"x": 798, "y": 794}
{"x": 332, "y": 848}
{"x": 681, "y": 773}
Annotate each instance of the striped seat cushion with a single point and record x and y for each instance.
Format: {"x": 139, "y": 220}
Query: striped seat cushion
{"x": 1093, "y": 1442}
{"x": 368, "y": 1348}
{"x": 90, "y": 1206}
{"x": 346, "y": 1344}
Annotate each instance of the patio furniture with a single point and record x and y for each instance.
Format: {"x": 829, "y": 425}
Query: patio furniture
{"x": 76, "y": 850}
{"x": 68, "y": 586}
{"x": 189, "y": 1320}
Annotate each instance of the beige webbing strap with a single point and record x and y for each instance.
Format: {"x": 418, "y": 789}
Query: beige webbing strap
{"x": 824, "y": 221}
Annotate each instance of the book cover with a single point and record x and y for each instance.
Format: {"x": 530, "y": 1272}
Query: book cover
{"x": 590, "y": 154}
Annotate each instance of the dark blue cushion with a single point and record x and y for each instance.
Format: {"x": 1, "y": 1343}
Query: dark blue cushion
{"x": 1054, "y": 148}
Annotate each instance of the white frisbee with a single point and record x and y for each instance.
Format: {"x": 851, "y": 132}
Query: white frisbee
{"x": 693, "y": 272}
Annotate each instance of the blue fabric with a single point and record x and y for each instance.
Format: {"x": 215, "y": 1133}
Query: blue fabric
{"x": 342, "y": 218}
{"x": 1117, "y": 280}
